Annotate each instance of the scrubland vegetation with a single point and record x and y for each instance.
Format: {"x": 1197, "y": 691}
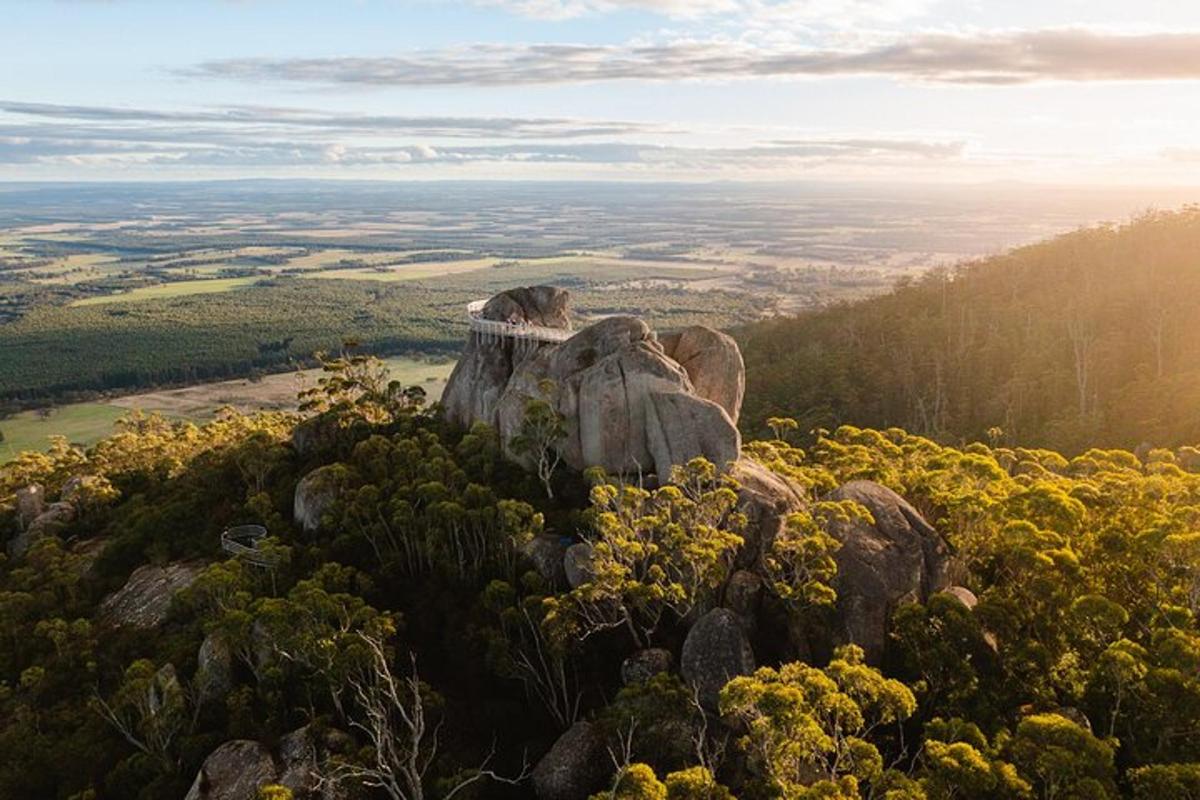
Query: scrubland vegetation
{"x": 1077, "y": 675}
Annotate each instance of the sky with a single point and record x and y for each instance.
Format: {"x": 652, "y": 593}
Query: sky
{"x": 1099, "y": 92}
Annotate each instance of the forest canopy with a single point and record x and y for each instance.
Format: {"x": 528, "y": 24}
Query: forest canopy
{"x": 415, "y": 638}
{"x": 1085, "y": 340}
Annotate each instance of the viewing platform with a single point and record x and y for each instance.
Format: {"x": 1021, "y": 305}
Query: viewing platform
{"x": 492, "y": 331}
{"x": 242, "y": 541}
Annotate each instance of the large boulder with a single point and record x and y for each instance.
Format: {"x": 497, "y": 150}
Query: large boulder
{"x": 715, "y": 651}
{"x": 51, "y": 522}
{"x": 899, "y": 558}
{"x": 480, "y": 377}
{"x": 31, "y": 502}
{"x": 546, "y": 552}
{"x": 577, "y": 564}
{"x": 627, "y": 405}
{"x": 145, "y": 599}
{"x": 234, "y": 771}
{"x": 301, "y": 754}
{"x": 766, "y": 499}
{"x": 315, "y": 493}
{"x": 577, "y": 765}
{"x": 713, "y": 363}
{"x": 214, "y": 668}
{"x": 643, "y": 665}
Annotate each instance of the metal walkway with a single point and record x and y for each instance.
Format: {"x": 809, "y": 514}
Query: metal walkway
{"x": 242, "y": 541}
{"x": 492, "y": 331}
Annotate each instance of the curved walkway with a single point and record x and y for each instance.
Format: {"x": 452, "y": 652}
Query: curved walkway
{"x": 491, "y": 330}
{"x": 242, "y": 541}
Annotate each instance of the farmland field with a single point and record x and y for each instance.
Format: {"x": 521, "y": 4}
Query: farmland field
{"x": 107, "y": 292}
{"x": 85, "y": 423}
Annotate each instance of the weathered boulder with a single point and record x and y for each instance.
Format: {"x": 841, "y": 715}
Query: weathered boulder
{"x": 963, "y": 595}
{"x": 51, "y": 522}
{"x": 742, "y": 594}
{"x": 546, "y": 553}
{"x": 713, "y": 363}
{"x": 316, "y": 434}
{"x": 145, "y": 599}
{"x": 480, "y": 377}
{"x": 214, "y": 668}
{"x": 31, "y": 502}
{"x": 715, "y": 651}
{"x": 577, "y": 564}
{"x": 315, "y": 493}
{"x": 767, "y": 500}
{"x": 899, "y": 558}
{"x": 576, "y": 765}
{"x": 301, "y": 754}
{"x": 645, "y": 664}
{"x": 626, "y": 405}
{"x": 234, "y": 771}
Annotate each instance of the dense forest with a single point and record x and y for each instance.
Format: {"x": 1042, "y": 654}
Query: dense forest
{"x": 415, "y": 641}
{"x": 53, "y": 352}
{"x": 1085, "y": 340}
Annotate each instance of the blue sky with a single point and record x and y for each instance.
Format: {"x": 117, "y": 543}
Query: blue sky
{"x": 899, "y": 90}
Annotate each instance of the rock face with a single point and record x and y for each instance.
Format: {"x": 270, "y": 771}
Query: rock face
{"x": 627, "y": 406}
{"x": 577, "y": 564}
{"x": 214, "y": 668}
{"x": 742, "y": 595}
{"x": 963, "y": 595}
{"x": 766, "y": 499}
{"x": 715, "y": 651}
{"x": 546, "y": 553}
{"x": 482, "y": 374}
{"x": 713, "y": 363}
{"x": 645, "y": 664}
{"x": 234, "y": 771}
{"x": 145, "y": 599}
{"x": 315, "y": 493}
{"x": 899, "y": 558}
{"x": 51, "y": 522}
{"x": 576, "y": 765}
{"x": 31, "y": 502}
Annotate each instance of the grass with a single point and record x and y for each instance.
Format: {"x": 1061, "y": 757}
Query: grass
{"x": 81, "y": 422}
{"x": 165, "y": 291}
{"x": 87, "y": 423}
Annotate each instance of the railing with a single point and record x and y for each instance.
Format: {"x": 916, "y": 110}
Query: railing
{"x": 242, "y": 541}
{"x": 491, "y": 331}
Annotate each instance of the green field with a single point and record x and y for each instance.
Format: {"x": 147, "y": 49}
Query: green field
{"x": 163, "y": 291}
{"x": 86, "y": 423}
{"x": 81, "y": 422}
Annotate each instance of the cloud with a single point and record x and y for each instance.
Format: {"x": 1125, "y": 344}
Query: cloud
{"x": 363, "y": 124}
{"x": 827, "y": 12}
{"x": 981, "y": 58}
{"x": 81, "y": 145}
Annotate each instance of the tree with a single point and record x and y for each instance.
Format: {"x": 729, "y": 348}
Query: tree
{"x": 542, "y": 428}
{"x": 403, "y": 743}
{"x": 1064, "y": 759}
{"x": 808, "y": 730}
{"x": 149, "y": 710}
{"x": 653, "y": 554}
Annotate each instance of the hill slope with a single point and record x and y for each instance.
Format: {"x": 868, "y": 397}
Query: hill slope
{"x": 1088, "y": 339}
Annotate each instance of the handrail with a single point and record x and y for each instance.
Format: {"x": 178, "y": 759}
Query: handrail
{"x": 242, "y": 541}
{"x": 511, "y": 330}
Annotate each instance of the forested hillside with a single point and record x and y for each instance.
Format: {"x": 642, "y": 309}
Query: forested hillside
{"x": 406, "y": 630}
{"x": 1090, "y": 339}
